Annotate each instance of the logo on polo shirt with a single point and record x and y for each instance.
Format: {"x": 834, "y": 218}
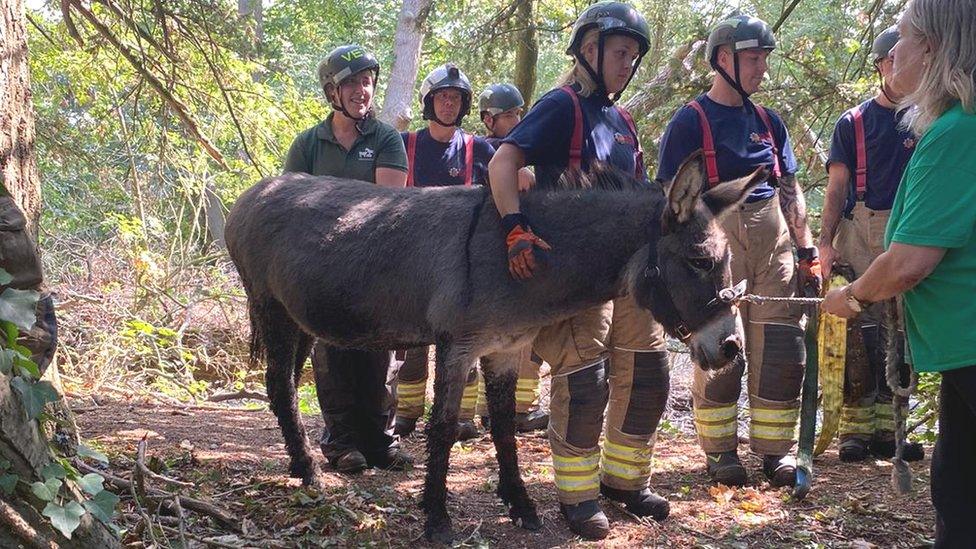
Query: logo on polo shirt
{"x": 366, "y": 154}
{"x": 909, "y": 143}
{"x": 623, "y": 139}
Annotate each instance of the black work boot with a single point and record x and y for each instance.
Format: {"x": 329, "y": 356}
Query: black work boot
{"x": 404, "y": 426}
{"x": 725, "y": 468}
{"x": 349, "y": 462}
{"x": 392, "y": 459}
{"x": 853, "y": 449}
{"x": 536, "y": 420}
{"x": 780, "y": 470}
{"x": 486, "y": 423}
{"x": 467, "y": 430}
{"x": 586, "y": 519}
{"x": 886, "y": 449}
{"x": 643, "y": 503}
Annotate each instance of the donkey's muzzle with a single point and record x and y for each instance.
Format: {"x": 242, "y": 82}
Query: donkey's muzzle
{"x": 732, "y": 346}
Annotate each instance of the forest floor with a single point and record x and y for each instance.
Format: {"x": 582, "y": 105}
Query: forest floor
{"x": 235, "y": 458}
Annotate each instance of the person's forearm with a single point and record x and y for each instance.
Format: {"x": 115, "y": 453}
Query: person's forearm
{"x": 896, "y": 271}
{"x": 794, "y": 208}
{"x": 503, "y": 176}
{"x": 834, "y": 198}
{"x": 391, "y": 177}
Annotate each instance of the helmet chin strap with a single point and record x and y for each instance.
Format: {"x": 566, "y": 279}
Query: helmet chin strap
{"x": 597, "y": 76}
{"x": 734, "y": 82}
{"x": 883, "y": 85}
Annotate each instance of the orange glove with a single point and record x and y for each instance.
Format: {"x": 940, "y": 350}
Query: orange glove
{"x": 810, "y": 272}
{"x": 521, "y": 242}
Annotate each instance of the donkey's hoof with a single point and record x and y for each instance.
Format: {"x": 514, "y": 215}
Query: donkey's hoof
{"x": 525, "y": 518}
{"x": 439, "y": 531}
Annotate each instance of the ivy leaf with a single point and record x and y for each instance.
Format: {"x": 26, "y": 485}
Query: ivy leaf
{"x": 26, "y": 367}
{"x": 34, "y": 395}
{"x": 47, "y": 490}
{"x": 92, "y": 483}
{"x": 102, "y": 506}
{"x": 8, "y": 483}
{"x": 18, "y": 306}
{"x": 67, "y": 518}
{"x": 53, "y": 470}
{"x": 90, "y": 453}
{"x": 7, "y": 360}
{"x": 4, "y": 464}
{"x": 5, "y": 277}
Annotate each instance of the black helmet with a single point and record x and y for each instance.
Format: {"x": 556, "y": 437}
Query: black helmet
{"x": 343, "y": 62}
{"x": 498, "y": 98}
{"x": 738, "y": 32}
{"x": 445, "y": 76}
{"x": 609, "y": 18}
{"x": 883, "y": 43}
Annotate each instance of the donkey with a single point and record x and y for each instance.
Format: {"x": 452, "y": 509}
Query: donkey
{"x": 367, "y": 267}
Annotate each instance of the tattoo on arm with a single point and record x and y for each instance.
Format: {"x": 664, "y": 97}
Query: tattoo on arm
{"x": 794, "y": 207}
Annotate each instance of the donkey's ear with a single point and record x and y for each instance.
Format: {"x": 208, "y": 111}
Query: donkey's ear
{"x": 723, "y": 196}
{"x": 686, "y": 187}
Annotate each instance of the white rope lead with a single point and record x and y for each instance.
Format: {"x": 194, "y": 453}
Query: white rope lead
{"x": 760, "y": 299}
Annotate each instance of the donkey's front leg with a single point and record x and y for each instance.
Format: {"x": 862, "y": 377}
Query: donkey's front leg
{"x": 500, "y": 371}
{"x": 450, "y": 371}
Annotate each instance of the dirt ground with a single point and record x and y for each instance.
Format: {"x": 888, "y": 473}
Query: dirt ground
{"x": 235, "y": 457}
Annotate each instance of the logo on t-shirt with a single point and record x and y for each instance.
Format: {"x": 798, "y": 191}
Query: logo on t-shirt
{"x": 623, "y": 139}
{"x": 366, "y": 154}
{"x": 755, "y": 138}
{"x": 454, "y": 172}
{"x": 909, "y": 143}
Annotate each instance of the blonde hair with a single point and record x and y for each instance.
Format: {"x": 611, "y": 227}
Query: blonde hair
{"x": 577, "y": 74}
{"x": 949, "y": 26}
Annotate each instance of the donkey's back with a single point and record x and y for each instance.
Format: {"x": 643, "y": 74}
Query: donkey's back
{"x": 354, "y": 261}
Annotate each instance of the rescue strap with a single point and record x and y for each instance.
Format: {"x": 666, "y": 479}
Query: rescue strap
{"x": 576, "y": 141}
{"x": 761, "y": 299}
{"x": 468, "y": 158}
{"x": 708, "y": 142}
{"x": 901, "y": 473}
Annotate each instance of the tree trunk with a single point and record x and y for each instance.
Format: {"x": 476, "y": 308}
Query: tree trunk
{"x": 22, "y": 443}
{"x": 403, "y": 74}
{"x": 252, "y": 12}
{"x": 527, "y": 53}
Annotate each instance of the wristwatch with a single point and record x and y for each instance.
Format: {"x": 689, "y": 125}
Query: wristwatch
{"x": 807, "y": 253}
{"x": 856, "y": 305}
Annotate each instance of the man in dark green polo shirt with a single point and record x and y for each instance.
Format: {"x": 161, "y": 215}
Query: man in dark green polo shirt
{"x": 357, "y": 403}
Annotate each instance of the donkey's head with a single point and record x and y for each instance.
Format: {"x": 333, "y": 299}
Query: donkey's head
{"x": 687, "y": 279}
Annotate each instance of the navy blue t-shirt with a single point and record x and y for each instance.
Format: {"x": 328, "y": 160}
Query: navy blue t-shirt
{"x": 888, "y": 149}
{"x": 741, "y": 143}
{"x": 545, "y": 133}
{"x": 442, "y": 164}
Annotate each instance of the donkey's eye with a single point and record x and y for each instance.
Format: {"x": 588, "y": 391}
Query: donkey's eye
{"x": 705, "y": 264}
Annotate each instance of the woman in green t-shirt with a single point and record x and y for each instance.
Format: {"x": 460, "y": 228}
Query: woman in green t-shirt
{"x": 931, "y": 243}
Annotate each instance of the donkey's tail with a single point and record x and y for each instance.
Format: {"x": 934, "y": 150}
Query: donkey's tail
{"x": 258, "y": 314}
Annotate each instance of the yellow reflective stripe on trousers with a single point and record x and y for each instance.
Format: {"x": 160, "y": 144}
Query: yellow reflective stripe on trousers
{"x": 884, "y": 410}
{"x": 578, "y": 484}
{"x": 575, "y": 464}
{"x": 775, "y": 415}
{"x": 619, "y": 452}
{"x": 626, "y": 462}
{"x": 773, "y": 423}
{"x": 770, "y": 432}
{"x": 717, "y": 431}
{"x": 716, "y": 415}
{"x": 624, "y": 470}
{"x": 857, "y": 420}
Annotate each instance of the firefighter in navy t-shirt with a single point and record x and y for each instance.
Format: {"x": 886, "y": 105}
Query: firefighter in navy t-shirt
{"x": 761, "y": 235}
{"x": 868, "y": 154}
{"x": 572, "y": 127}
{"x": 441, "y": 155}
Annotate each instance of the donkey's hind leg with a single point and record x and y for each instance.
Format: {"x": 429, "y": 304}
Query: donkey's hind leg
{"x": 284, "y": 341}
{"x": 451, "y": 370}
{"x": 501, "y": 373}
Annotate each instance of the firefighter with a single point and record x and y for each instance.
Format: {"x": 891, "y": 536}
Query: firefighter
{"x": 868, "y": 155}
{"x": 613, "y": 353}
{"x": 738, "y": 136}
{"x": 441, "y": 154}
{"x": 353, "y": 389}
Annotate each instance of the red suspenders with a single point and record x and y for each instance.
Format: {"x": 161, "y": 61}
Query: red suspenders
{"x": 468, "y": 158}
{"x": 708, "y": 144}
{"x": 576, "y": 141}
{"x": 861, "y": 174}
